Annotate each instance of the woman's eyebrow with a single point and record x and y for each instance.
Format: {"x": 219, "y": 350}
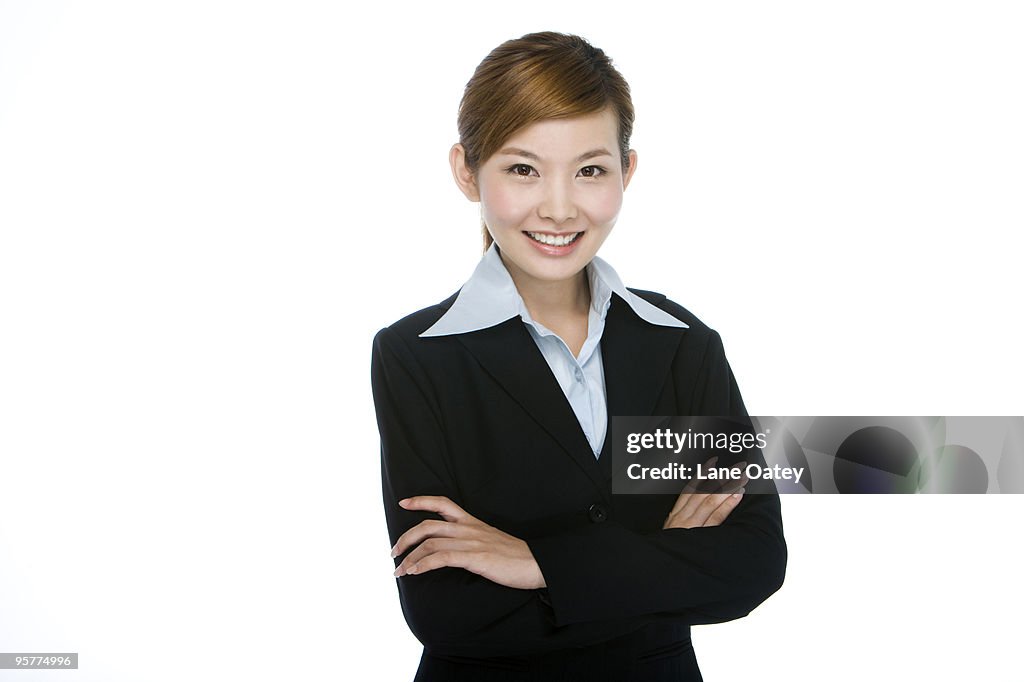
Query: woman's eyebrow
{"x": 515, "y": 151}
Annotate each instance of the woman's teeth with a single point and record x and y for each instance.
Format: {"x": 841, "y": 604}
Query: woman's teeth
{"x": 552, "y": 240}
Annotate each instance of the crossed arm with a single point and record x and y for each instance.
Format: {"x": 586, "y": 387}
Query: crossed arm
{"x": 463, "y": 541}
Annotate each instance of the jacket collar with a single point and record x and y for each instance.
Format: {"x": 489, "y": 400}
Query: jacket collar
{"x": 490, "y": 298}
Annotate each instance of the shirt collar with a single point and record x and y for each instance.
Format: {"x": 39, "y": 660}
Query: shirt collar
{"x": 490, "y": 297}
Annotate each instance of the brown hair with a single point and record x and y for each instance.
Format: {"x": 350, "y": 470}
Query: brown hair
{"x": 539, "y": 76}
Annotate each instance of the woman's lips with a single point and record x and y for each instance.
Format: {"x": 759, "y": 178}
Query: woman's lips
{"x": 554, "y": 244}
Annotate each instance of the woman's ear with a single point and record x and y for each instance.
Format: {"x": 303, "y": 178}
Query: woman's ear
{"x": 464, "y": 177}
{"x": 629, "y": 171}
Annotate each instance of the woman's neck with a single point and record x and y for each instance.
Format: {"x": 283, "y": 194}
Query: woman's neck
{"x": 552, "y": 301}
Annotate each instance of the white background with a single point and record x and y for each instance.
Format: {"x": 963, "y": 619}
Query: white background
{"x": 207, "y": 209}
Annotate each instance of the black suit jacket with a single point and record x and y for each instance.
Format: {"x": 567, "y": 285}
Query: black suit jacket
{"x": 480, "y": 418}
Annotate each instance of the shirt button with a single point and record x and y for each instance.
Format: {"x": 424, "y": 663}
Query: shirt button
{"x": 597, "y": 513}
{"x": 579, "y": 375}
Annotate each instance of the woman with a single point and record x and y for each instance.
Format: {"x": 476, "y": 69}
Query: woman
{"x": 514, "y": 560}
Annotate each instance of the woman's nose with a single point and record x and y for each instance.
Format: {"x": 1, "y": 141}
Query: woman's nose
{"x": 557, "y": 203}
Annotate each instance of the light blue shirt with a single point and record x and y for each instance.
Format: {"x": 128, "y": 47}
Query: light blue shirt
{"x": 490, "y": 297}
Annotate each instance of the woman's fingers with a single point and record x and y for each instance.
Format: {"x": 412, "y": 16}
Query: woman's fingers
{"x": 697, "y": 514}
{"x": 435, "y": 503}
{"x": 431, "y": 528}
{"x": 440, "y": 560}
{"x": 724, "y": 509}
{"x": 689, "y": 501}
{"x": 434, "y": 553}
{"x": 449, "y": 511}
{"x": 688, "y": 490}
{"x": 714, "y": 503}
{"x": 694, "y": 510}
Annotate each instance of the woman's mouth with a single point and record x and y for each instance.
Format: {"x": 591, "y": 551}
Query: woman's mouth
{"x": 554, "y": 240}
{"x": 555, "y": 244}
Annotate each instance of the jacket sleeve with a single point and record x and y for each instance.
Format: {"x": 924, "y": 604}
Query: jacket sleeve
{"x": 448, "y": 609}
{"x": 704, "y": 575}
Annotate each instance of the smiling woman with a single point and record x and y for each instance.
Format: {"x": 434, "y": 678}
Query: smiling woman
{"x": 514, "y": 559}
{"x": 548, "y": 206}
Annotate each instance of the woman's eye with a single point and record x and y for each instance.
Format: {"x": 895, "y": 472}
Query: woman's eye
{"x": 592, "y": 171}
{"x": 520, "y": 169}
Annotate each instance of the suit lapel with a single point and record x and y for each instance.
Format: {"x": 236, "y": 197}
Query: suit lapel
{"x": 637, "y": 358}
{"x": 508, "y": 353}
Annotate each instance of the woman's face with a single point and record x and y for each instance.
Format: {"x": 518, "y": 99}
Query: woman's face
{"x": 552, "y": 194}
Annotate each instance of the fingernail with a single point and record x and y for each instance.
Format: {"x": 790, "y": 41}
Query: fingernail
{"x": 739, "y": 493}
{"x": 402, "y": 503}
{"x": 396, "y": 573}
{"x": 411, "y": 569}
{"x": 394, "y": 551}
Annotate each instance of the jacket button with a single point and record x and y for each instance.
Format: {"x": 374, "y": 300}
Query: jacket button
{"x": 597, "y": 513}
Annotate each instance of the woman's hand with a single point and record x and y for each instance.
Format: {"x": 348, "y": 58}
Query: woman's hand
{"x": 463, "y": 541}
{"x": 695, "y": 510}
